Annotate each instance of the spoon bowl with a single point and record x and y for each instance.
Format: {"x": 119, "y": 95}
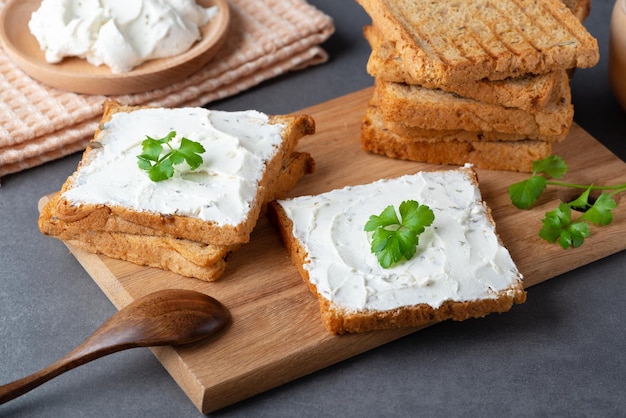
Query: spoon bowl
{"x": 166, "y": 317}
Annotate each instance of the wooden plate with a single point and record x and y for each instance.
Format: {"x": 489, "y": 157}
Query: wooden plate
{"x": 77, "y": 75}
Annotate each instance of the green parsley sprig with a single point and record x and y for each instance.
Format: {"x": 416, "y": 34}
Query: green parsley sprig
{"x": 559, "y": 225}
{"x": 161, "y": 167}
{"x": 394, "y": 239}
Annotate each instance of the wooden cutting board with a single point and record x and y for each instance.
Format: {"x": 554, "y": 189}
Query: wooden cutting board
{"x": 276, "y": 335}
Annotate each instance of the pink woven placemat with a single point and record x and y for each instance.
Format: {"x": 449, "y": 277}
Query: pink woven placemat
{"x": 266, "y": 38}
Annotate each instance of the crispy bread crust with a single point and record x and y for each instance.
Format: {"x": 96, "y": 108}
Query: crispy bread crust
{"x": 160, "y": 252}
{"x": 103, "y": 217}
{"x": 436, "y": 109}
{"x": 432, "y": 135}
{"x": 489, "y": 155}
{"x": 580, "y": 8}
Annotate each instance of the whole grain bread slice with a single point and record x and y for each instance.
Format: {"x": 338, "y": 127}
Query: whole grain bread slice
{"x": 452, "y": 41}
{"x": 425, "y": 108}
{"x": 94, "y": 217}
{"x": 531, "y": 92}
{"x": 447, "y": 150}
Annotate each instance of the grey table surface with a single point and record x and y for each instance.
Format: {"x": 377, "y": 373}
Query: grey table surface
{"x": 559, "y": 354}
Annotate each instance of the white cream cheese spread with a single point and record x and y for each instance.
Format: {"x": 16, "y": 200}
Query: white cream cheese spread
{"x": 459, "y": 257}
{"x": 238, "y": 146}
{"x": 118, "y": 33}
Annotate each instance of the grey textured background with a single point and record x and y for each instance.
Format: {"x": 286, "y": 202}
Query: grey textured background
{"x": 559, "y": 354}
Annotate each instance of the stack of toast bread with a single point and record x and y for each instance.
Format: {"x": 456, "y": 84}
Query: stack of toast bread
{"x": 476, "y": 81}
{"x": 185, "y": 224}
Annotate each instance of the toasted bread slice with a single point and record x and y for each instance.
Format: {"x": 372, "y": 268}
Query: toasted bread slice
{"x": 531, "y": 92}
{"x": 221, "y": 201}
{"x": 450, "y": 42}
{"x": 579, "y": 8}
{"x": 436, "y": 109}
{"x": 458, "y": 271}
{"x": 185, "y": 257}
{"x": 164, "y": 253}
{"x": 430, "y": 135}
{"x": 446, "y": 149}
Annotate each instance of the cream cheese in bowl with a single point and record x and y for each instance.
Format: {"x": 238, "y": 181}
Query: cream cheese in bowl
{"x": 118, "y": 33}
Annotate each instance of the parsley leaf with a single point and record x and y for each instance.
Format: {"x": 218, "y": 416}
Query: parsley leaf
{"x": 559, "y": 227}
{"x": 161, "y": 168}
{"x": 601, "y": 211}
{"x": 394, "y": 239}
{"x": 190, "y": 151}
{"x": 558, "y": 224}
{"x": 581, "y": 203}
{"x": 552, "y": 166}
{"x": 525, "y": 193}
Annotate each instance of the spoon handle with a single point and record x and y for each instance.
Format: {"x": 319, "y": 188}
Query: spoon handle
{"x": 167, "y": 317}
{"x": 91, "y": 349}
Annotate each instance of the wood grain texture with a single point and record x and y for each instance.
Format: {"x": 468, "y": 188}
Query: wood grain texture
{"x": 276, "y": 334}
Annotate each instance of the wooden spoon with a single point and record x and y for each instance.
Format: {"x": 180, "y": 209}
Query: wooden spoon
{"x": 167, "y": 317}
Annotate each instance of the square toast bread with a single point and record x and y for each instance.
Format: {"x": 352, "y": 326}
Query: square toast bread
{"x": 531, "y": 93}
{"x": 185, "y": 257}
{"x": 356, "y": 295}
{"x": 425, "y": 108}
{"x": 450, "y": 148}
{"x": 82, "y": 216}
{"x": 450, "y": 41}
